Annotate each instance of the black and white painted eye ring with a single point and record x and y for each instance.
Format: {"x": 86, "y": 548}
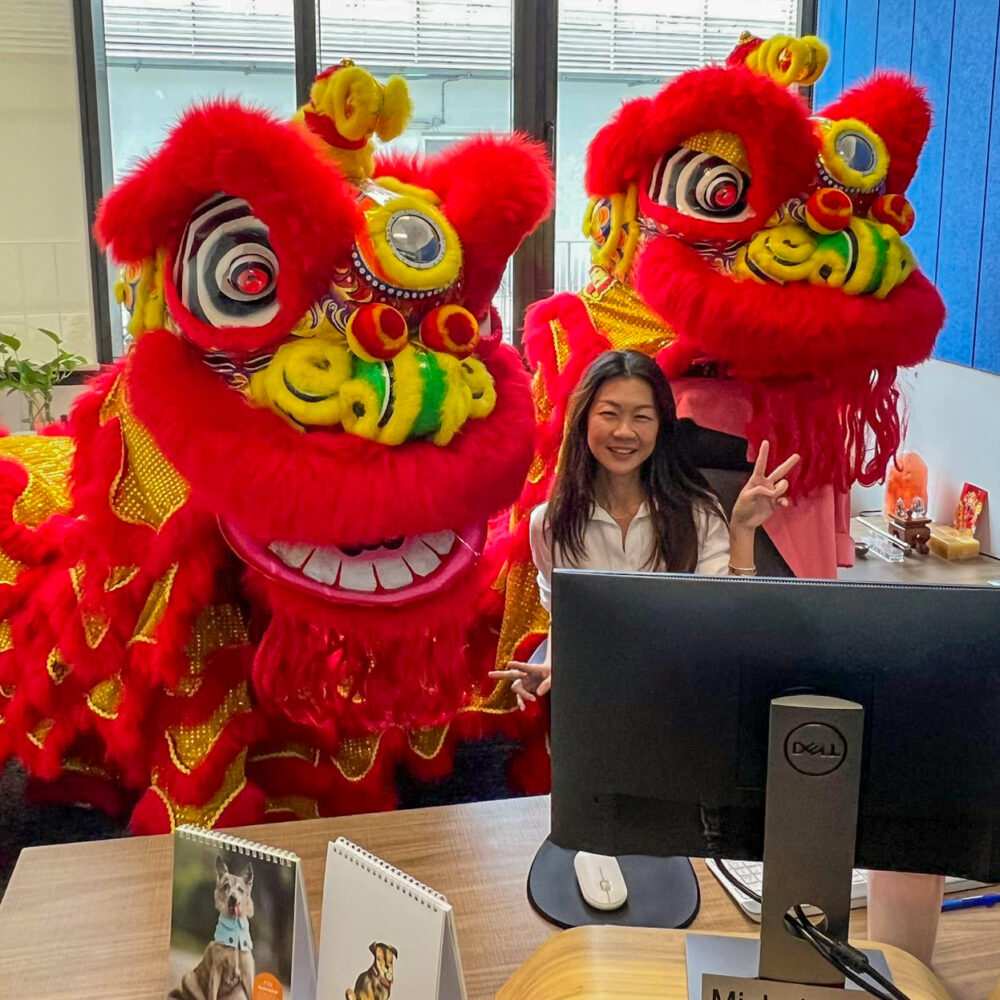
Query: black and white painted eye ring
{"x": 700, "y": 185}
{"x": 225, "y": 269}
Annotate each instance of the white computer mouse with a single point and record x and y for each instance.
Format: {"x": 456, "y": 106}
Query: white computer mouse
{"x": 600, "y": 879}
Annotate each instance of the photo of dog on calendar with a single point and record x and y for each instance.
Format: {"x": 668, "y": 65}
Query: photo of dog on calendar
{"x": 231, "y": 926}
{"x": 375, "y": 983}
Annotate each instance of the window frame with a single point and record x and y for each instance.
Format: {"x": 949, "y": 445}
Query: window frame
{"x": 535, "y": 76}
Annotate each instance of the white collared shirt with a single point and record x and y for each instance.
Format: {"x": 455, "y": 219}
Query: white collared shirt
{"x": 605, "y": 549}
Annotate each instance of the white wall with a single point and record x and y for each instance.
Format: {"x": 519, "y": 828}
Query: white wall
{"x": 44, "y": 262}
{"x": 954, "y": 425}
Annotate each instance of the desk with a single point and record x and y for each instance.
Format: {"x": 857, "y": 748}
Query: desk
{"x": 917, "y": 568}
{"x": 93, "y": 920}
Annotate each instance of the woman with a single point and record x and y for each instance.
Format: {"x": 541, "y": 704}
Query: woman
{"x": 625, "y": 498}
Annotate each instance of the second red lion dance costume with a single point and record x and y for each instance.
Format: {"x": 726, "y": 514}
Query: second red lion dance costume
{"x": 757, "y": 252}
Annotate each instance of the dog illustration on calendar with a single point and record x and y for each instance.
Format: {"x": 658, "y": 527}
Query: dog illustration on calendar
{"x": 226, "y": 935}
{"x": 375, "y": 983}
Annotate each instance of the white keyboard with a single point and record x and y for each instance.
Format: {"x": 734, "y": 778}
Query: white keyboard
{"x": 751, "y": 874}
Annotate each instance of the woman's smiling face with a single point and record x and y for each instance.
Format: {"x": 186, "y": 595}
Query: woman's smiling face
{"x": 622, "y": 425}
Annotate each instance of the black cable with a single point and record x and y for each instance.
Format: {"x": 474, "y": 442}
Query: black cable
{"x": 844, "y": 957}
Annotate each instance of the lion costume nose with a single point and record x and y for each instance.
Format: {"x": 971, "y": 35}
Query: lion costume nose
{"x": 417, "y": 393}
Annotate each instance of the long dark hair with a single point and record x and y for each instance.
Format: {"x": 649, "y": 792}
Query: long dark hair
{"x": 672, "y": 485}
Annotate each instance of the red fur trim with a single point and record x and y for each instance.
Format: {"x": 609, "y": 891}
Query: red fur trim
{"x": 494, "y": 190}
{"x": 309, "y": 209}
{"x": 773, "y": 124}
{"x": 898, "y": 110}
{"x": 796, "y": 329}
{"x": 332, "y": 487}
{"x": 328, "y": 667}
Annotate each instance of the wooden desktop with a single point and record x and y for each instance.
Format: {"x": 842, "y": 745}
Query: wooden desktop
{"x": 92, "y": 920}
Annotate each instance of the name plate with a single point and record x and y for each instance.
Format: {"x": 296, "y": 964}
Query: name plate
{"x": 737, "y": 988}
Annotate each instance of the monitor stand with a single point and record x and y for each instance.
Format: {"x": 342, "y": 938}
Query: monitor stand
{"x": 814, "y": 761}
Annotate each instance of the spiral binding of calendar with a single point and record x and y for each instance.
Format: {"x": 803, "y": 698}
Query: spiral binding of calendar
{"x": 238, "y": 845}
{"x": 406, "y": 884}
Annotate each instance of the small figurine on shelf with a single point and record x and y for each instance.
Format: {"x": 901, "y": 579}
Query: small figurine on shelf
{"x": 906, "y": 501}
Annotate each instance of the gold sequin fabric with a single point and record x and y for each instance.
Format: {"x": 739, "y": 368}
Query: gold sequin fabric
{"x": 299, "y": 806}
{"x": 6, "y": 636}
{"x": 628, "y": 323}
{"x": 57, "y": 668}
{"x": 726, "y": 145}
{"x": 190, "y": 745}
{"x": 147, "y": 489}
{"x": 523, "y": 616}
{"x": 10, "y": 568}
{"x": 543, "y": 405}
{"x": 155, "y": 607}
{"x": 47, "y": 461}
{"x": 427, "y": 743}
{"x": 356, "y": 755}
{"x": 206, "y": 815}
{"x": 219, "y": 626}
{"x": 104, "y": 698}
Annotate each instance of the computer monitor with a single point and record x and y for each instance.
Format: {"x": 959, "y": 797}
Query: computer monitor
{"x": 660, "y": 703}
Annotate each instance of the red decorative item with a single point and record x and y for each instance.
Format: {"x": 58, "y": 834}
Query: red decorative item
{"x": 829, "y": 210}
{"x": 377, "y": 332}
{"x": 451, "y": 329}
{"x": 894, "y": 210}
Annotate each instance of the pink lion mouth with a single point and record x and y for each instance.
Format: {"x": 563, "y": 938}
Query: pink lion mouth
{"x": 394, "y": 571}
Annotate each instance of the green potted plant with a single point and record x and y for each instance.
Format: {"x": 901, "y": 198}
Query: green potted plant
{"x": 36, "y": 379}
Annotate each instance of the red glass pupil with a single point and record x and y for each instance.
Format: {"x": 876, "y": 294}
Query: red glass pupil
{"x": 725, "y": 194}
{"x": 252, "y": 279}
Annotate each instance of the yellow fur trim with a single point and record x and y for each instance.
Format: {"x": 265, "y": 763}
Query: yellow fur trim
{"x": 840, "y": 171}
{"x": 482, "y": 389}
{"x": 442, "y": 274}
{"x": 394, "y": 115}
{"x": 788, "y": 60}
{"x": 410, "y": 190}
{"x": 303, "y": 381}
{"x": 457, "y": 403}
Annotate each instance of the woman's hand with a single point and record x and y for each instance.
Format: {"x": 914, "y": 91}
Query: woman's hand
{"x": 531, "y": 680}
{"x": 762, "y": 493}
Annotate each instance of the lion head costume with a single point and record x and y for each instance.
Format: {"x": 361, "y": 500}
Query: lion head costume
{"x": 255, "y": 575}
{"x": 757, "y": 251}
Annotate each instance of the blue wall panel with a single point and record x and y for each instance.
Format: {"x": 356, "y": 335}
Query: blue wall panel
{"x": 931, "y": 67}
{"x": 986, "y": 352}
{"x": 831, "y": 23}
{"x": 894, "y": 42}
{"x": 963, "y": 177}
{"x": 860, "y": 37}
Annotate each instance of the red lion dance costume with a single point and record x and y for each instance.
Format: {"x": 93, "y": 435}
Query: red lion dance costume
{"x": 254, "y": 576}
{"x": 756, "y": 251}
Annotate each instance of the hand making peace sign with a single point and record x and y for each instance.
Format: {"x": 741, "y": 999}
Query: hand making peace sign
{"x": 762, "y": 493}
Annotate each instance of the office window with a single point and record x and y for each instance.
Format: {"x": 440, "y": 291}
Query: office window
{"x": 163, "y": 55}
{"x": 611, "y": 51}
{"x": 154, "y": 57}
{"x": 456, "y": 58}
{"x": 44, "y": 242}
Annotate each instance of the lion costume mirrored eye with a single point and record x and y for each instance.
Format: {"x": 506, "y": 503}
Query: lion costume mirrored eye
{"x": 700, "y": 185}
{"x": 225, "y": 269}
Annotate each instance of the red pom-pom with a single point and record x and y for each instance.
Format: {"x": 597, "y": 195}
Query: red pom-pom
{"x": 451, "y": 329}
{"x": 829, "y": 210}
{"x": 376, "y": 332}
{"x": 894, "y": 210}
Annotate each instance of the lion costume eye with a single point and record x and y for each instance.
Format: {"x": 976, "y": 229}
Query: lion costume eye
{"x": 700, "y": 185}
{"x": 414, "y": 239}
{"x": 226, "y": 271}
